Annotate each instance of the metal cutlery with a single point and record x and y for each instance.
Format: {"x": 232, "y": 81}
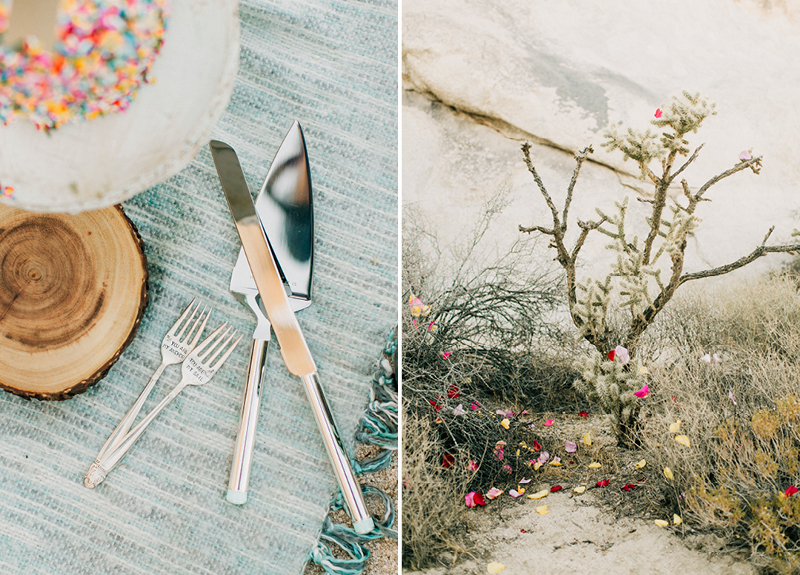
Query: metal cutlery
{"x": 197, "y": 369}
{"x": 284, "y": 208}
{"x": 294, "y": 349}
{"x": 179, "y": 342}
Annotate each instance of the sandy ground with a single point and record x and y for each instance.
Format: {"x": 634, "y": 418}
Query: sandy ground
{"x": 577, "y": 536}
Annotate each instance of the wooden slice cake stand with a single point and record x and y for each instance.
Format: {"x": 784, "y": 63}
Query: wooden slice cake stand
{"x": 73, "y": 289}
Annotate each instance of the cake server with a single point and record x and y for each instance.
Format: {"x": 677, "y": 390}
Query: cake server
{"x": 294, "y": 348}
{"x": 284, "y": 207}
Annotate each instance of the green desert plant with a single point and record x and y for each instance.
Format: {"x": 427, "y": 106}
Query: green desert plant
{"x": 646, "y": 274}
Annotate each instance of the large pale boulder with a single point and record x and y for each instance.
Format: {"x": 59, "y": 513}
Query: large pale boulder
{"x": 481, "y": 77}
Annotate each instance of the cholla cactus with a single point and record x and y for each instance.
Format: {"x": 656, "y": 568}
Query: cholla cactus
{"x": 635, "y": 280}
{"x": 613, "y": 385}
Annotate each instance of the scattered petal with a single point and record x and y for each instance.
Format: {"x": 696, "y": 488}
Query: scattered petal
{"x": 642, "y": 393}
{"x": 587, "y": 438}
{"x": 472, "y": 465}
{"x": 668, "y": 473}
{"x": 791, "y": 490}
{"x": 438, "y": 420}
{"x": 706, "y": 358}
{"x": 548, "y": 423}
{"x": 539, "y": 494}
{"x": 447, "y": 461}
{"x": 522, "y": 531}
{"x": 622, "y": 354}
{"x": 733, "y": 397}
{"x": 474, "y": 406}
{"x": 683, "y": 440}
{"x": 542, "y": 510}
{"x": 641, "y": 464}
{"x": 643, "y": 370}
{"x": 555, "y": 488}
{"x": 580, "y": 489}
{"x": 514, "y": 493}
{"x": 447, "y": 354}
{"x": 628, "y": 487}
{"x": 525, "y": 412}
{"x": 544, "y": 456}
{"x": 536, "y": 446}
{"x": 674, "y": 427}
{"x": 745, "y": 156}
{"x": 523, "y": 480}
{"x": 493, "y": 492}
{"x": 499, "y": 450}
{"x": 436, "y": 406}
{"x": 611, "y": 355}
{"x": 661, "y": 523}
{"x": 556, "y": 462}
{"x": 453, "y": 391}
{"x": 531, "y": 425}
{"x": 602, "y": 483}
{"x": 537, "y": 465}
{"x": 495, "y": 568}
{"x": 676, "y": 519}
{"x": 717, "y": 359}
{"x": 507, "y": 468}
{"x": 570, "y": 447}
{"x": 505, "y": 423}
{"x": 473, "y": 498}
{"x": 594, "y": 465}
{"x": 658, "y": 113}
{"x": 583, "y": 414}
{"x": 459, "y": 410}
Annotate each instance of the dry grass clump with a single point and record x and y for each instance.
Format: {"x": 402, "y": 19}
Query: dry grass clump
{"x": 433, "y": 496}
{"x": 741, "y": 416}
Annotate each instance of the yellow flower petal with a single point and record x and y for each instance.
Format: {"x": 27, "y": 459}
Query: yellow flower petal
{"x": 539, "y": 494}
{"x": 674, "y": 427}
{"x": 555, "y": 463}
{"x": 641, "y": 464}
{"x": 505, "y": 423}
{"x": 676, "y": 519}
{"x": 537, "y": 465}
{"x": 542, "y": 510}
{"x": 643, "y": 370}
{"x": 580, "y": 489}
{"x": 595, "y": 465}
{"x": 661, "y": 523}
{"x": 683, "y": 440}
{"x": 517, "y": 452}
{"x": 587, "y": 439}
{"x": 495, "y": 568}
{"x": 668, "y": 473}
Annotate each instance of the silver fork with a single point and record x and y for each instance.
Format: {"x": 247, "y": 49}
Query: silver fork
{"x": 199, "y": 367}
{"x": 174, "y": 349}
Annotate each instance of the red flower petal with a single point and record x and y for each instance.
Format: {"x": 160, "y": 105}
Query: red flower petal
{"x": 436, "y": 406}
{"x": 555, "y": 488}
{"x": 658, "y": 113}
{"x": 536, "y": 446}
{"x": 791, "y": 490}
{"x": 522, "y": 531}
{"x": 478, "y": 499}
{"x": 642, "y": 480}
{"x": 583, "y": 414}
{"x": 602, "y": 483}
{"x": 611, "y": 355}
{"x": 453, "y": 391}
{"x": 628, "y": 487}
{"x": 447, "y": 460}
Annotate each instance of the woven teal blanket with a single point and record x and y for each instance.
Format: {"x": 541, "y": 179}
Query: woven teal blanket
{"x": 332, "y": 65}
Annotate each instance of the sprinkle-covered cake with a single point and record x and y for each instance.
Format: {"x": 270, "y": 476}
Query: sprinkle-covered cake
{"x": 101, "y": 56}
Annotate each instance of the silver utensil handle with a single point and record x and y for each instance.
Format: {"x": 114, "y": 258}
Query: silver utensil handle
{"x": 246, "y": 438}
{"x": 102, "y": 465}
{"x": 362, "y": 521}
{"x": 126, "y": 422}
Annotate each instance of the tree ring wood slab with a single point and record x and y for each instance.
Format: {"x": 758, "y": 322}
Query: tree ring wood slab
{"x": 73, "y": 289}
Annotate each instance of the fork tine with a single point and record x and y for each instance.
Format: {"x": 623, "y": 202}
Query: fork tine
{"x": 207, "y": 351}
{"x": 193, "y": 335}
{"x": 173, "y": 331}
{"x": 209, "y": 341}
{"x": 227, "y": 353}
{"x": 188, "y": 321}
{"x": 220, "y": 348}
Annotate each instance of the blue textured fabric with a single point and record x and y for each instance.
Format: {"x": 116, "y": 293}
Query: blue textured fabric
{"x": 332, "y": 65}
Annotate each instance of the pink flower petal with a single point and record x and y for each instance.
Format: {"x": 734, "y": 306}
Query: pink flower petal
{"x": 472, "y": 465}
{"x": 523, "y": 480}
{"x": 658, "y": 113}
{"x": 745, "y": 156}
{"x": 514, "y": 493}
{"x": 543, "y": 457}
{"x": 474, "y": 406}
{"x": 570, "y": 447}
{"x": 447, "y": 354}
{"x": 493, "y": 492}
{"x": 507, "y": 468}
{"x": 548, "y": 423}
{"x": 642, "y": 393}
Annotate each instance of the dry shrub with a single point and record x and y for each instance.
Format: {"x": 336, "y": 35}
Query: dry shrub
{"x": 742, "y": 415}
{"x": 433, "y": 496}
